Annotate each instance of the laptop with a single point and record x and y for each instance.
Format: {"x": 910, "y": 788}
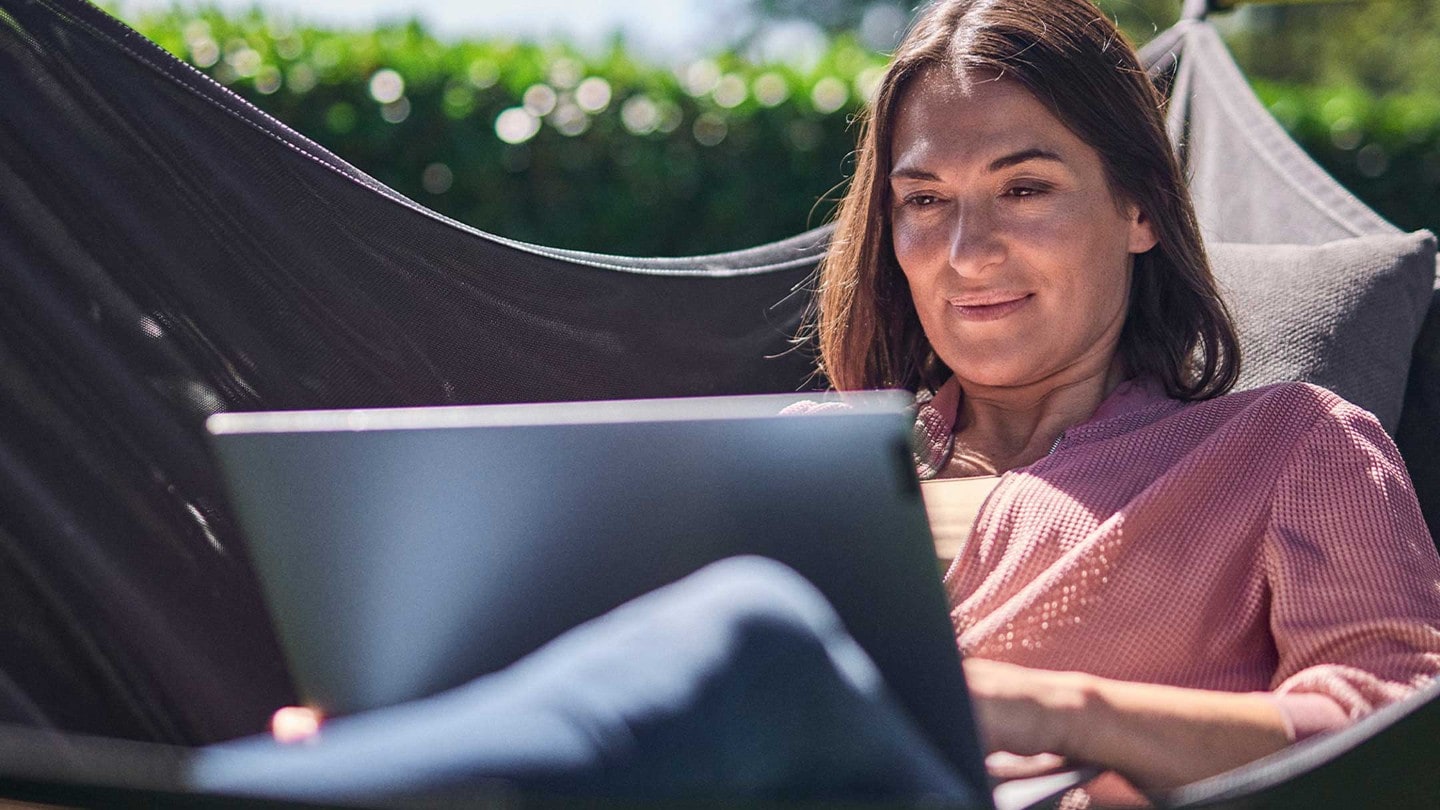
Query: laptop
{"x": 406, "y": 551}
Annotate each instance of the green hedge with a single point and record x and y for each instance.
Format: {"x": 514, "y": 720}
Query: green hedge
{"x": 630, "y": 158}
{"x": 1386, "y": 150}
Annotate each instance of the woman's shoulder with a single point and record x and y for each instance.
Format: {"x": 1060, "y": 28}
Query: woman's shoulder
{"x": 1269, "y": 420}
{"x": 1294, "y": 403}
{"x": 1291, "y": 424}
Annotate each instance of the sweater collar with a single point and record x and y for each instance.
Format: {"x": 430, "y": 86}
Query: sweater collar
{"x": 934, "y": 432}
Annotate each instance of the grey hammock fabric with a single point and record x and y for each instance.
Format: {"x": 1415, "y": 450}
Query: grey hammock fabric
{"x": 1253, "y": 185}
{"x": 1250, "y": 182}
{"x": 1354, "y": 308}
{"x": 168, "y": 251}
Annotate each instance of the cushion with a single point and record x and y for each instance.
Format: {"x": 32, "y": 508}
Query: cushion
{"x": 1343, "y": 315}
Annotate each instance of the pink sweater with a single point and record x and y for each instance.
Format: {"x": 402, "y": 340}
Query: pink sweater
{"x": 1268, "y": 540}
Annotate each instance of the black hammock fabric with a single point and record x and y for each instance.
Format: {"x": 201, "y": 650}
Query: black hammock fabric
{"x": 167, "y": 252}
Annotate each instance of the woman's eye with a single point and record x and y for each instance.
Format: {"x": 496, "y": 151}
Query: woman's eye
{"x": 1023, "y": 191}
{"x": 920, "y": 200}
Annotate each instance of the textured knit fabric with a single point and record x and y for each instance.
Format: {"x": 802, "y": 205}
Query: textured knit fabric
{"x": 1267, "y": 540}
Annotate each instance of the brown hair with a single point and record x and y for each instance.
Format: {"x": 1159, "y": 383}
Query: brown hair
{"x": 1074, "y": 61}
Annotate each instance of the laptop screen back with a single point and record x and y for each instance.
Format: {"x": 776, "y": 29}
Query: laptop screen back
{"x": 407, "y": 551}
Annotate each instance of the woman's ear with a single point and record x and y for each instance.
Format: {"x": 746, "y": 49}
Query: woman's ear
{"x": 1142, "y": 233}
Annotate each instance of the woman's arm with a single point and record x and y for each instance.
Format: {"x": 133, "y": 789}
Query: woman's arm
{"x": 1354, "y": 616}
{"x": 1157, "y": 736}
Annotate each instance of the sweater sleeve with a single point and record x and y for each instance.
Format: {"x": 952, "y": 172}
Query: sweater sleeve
{"x": 1353, "y": 574}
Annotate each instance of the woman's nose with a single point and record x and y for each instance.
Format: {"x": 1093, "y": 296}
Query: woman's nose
{"x": 974, "y": 240}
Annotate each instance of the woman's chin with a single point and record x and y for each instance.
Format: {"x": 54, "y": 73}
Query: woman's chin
{"x": 997, "y": 375}
{"x": 1059, "y": 367}
{"x": 978, "y": 380}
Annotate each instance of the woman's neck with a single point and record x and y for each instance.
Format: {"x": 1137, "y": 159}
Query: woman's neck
{"x": 1001, "y": 428}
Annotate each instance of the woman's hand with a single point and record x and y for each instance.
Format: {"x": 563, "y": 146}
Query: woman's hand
{"x": 1157, "y": 736}
{"x": 1022, "y": 710}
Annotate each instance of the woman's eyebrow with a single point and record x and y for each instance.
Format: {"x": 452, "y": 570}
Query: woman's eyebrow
{"x": 1005, "y": 161}
{"x": 1014, "y": 158}
{"x": 907, "y": 173}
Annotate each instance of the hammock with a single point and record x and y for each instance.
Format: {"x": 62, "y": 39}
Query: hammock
{"x": 167, "y": 251}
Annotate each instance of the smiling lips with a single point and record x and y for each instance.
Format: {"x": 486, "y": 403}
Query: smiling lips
{"x": 990, "y": 306}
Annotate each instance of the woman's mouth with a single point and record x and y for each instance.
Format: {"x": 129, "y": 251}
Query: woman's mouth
{"x": 989, "y": 307}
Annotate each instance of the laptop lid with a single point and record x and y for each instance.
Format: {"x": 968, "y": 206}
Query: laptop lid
{"x": 405, "y": 551}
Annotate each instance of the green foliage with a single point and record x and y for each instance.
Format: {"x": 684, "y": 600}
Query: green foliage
{"x": 1383, "y": 46}
{"x": 616, "y": 155}
{"x": 1385, "y": 150}
{"x": 1141, "y": 20}
{"x": 714, "y": 155}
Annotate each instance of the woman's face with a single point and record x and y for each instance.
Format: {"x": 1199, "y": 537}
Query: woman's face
{"x": 1017, "y": 255}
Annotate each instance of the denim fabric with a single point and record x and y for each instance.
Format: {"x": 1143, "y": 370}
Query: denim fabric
{"x": 738, "y": 681}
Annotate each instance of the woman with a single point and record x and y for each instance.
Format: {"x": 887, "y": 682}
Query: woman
{"x": 1230, "y": 572}
{"x": 1167, "y": 580}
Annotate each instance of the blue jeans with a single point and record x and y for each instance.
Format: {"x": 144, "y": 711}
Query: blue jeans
{"x": 736, "y": 682}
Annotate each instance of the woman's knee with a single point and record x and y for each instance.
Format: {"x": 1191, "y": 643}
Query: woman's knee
{"x": 742, "y": 590}
{"x": 727, "y": 623}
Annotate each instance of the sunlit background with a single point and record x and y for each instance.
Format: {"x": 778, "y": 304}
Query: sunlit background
{"x": 647, "y": 127}
{"x": 656, "y": 26}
